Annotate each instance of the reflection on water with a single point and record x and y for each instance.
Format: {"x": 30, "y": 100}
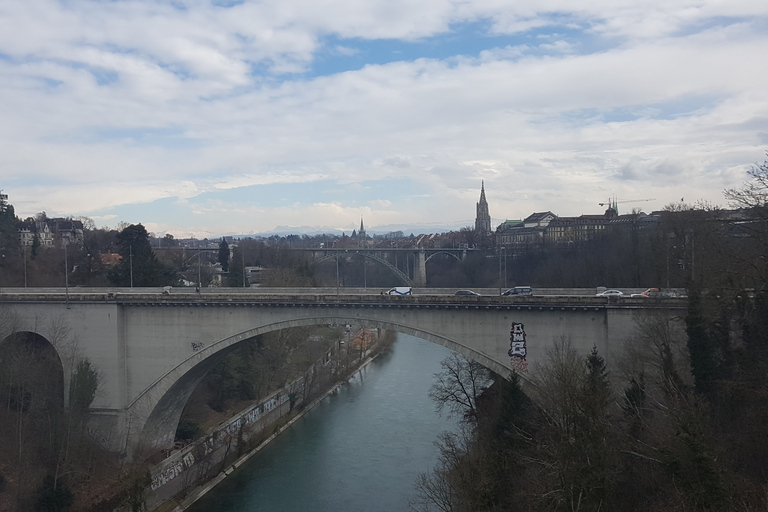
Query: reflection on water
{"x": 361, "y": 449}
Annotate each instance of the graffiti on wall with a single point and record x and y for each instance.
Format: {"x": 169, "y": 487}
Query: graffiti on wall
{"x": 518, "y": 351}
{"x": 249, "y": 419}
{"x": 163, "y": 440}
{"x": 167, "y": 474}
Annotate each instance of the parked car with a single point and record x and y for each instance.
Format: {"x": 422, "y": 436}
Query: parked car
{"x": 650, "y": 292}
{"x": 609, "y": 293}
{"x": 467, "y": 292}
{"x": 398, "y": 290}
{"x": 519, "y": 290}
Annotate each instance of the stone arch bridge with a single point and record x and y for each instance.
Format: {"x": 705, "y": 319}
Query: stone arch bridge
{"x": 152, "y": 346}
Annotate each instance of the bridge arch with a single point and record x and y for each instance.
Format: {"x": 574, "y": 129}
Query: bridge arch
{"x": 443, "y": 252}
{"x": 32, "y": 365}
{"x": 163, "y": 402}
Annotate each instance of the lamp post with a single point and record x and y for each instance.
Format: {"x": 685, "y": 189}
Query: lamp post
{"x": 504, "y": 248}
{"x": 130, "y": 258}
{"x": 500, "y": 247}
{"x": 66, "y": 273}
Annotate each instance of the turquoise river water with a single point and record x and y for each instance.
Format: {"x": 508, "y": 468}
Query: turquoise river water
{"x": 361, "y": 449}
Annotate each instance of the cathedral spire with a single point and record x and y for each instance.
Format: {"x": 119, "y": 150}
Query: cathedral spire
{"x": 361, "y": 234}
{"x": 483, "y": 218}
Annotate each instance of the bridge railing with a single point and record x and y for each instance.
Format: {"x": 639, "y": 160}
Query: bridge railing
{"x": 316, "y": 296}
{"x": 567, "y": 292}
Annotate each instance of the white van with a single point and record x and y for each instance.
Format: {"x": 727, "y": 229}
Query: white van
{"x": 519, "y": 290}
{"x": 398, "y": 290}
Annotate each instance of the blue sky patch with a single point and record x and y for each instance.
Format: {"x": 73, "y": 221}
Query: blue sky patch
{"x": 464, "y": 39}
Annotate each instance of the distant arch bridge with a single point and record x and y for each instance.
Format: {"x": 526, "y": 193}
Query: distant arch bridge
{"x": 415, "y": 274}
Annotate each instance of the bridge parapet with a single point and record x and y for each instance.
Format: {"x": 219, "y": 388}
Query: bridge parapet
{"x": 314, "y": 299}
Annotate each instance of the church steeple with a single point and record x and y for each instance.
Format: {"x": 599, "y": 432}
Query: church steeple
{"x": 483, "y": 218}
{"x": 361, "y": 234}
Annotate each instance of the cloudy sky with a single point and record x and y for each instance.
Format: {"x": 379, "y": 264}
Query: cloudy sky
{"x": 210, "y": 117}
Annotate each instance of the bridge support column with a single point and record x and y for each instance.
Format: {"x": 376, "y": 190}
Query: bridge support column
{"x": 420, "y": 269}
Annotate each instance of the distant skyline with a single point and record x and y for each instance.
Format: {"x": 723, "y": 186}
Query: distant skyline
{"x": 220, "y": 117}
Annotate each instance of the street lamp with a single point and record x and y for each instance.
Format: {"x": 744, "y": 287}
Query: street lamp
{"x": 500, "y": 282}
{"x": 66, "y": 272}
{"x": 504, "y": 248}
{"x": 130, "y": 258}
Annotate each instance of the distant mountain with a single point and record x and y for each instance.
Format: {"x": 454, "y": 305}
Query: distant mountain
{"x": 407, "y": 229}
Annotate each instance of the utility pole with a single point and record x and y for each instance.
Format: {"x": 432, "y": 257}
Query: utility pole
{"x": 66, "y": 272}
{"x": 504, "y": 248}
{"x": 130, "y": 258}
{"x": 500, "y": 270}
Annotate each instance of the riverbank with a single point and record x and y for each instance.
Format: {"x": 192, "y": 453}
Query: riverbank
{"x": 185, "y": 498}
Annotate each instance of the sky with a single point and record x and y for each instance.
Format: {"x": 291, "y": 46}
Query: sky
{"x": 219, "y": 117}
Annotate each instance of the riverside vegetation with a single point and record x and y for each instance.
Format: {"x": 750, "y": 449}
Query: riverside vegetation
{"x": 678, "y": 423}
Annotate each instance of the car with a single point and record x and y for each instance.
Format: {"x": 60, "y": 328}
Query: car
{"x": 467, "y": 292}
{"x": 519, "y": 290}
{"x": 650, "y": 292}
{"x": 399, "y": 290}
{"x": 609, "y": 293}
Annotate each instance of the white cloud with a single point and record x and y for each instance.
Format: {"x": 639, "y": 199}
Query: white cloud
{"x": 122, "y": 103}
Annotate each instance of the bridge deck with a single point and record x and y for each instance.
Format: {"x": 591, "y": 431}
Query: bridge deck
{"x": 313, "y": 299}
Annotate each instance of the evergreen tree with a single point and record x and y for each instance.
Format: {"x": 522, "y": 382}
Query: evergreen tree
{"x": 597, "y": 390}
{"x": 224, "y": 255}
{"x": 9, "y": 234}
{"x": 82, "y": 389}
{"x": 236, "y": 269}
{"x": 139, "y": 265}
{"x": 703, "y": 350}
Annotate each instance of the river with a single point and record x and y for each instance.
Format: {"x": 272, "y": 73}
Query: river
{"x": 360, "y": 449}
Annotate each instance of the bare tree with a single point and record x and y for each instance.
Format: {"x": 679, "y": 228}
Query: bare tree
{"x": 753, "y": 194}
{"x": 459, "y": 385}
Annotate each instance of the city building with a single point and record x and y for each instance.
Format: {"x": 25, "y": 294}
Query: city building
{"x": 519, "y": 234}
{"x": 51, "y": 232}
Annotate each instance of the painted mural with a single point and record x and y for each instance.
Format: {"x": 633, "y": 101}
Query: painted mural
{"x": 518, "y": 351}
